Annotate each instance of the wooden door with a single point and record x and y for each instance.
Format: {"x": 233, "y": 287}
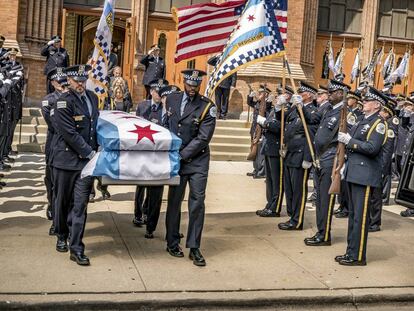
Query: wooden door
{"x": 128, "y": 50}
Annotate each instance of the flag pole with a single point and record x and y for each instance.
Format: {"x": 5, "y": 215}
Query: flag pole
{"x": 376, "y": 67}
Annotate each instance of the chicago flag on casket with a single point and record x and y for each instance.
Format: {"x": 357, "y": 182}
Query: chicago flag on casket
{"x": 132, "y": 148}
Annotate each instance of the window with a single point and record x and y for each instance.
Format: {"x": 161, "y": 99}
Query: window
{"x": 162, "y": 43}
{"x": 396, "y": 19}
{"x": 119, "y": 4}
{"x": 191, "y": 64}
{"x": 164, "y": 6}
{"x": 342, "y": 16}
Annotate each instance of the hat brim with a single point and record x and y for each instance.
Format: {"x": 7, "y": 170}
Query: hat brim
{"x": 192, "y": 82}
{"x": 79, "y": 79}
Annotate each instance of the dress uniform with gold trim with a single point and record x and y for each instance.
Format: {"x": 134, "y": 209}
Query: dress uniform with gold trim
{"x": 362, "y": 172}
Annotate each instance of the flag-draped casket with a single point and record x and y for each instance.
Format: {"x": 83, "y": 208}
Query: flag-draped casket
{"x": 134, "y": 150}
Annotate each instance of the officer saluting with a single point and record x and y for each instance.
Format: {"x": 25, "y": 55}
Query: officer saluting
{"x": 362, "y": 173}
{"x": 56, "y": 56}
{"x": 154, "y": 68}
{"x": 76, "y": 116}
{"x": 193, "y": 118}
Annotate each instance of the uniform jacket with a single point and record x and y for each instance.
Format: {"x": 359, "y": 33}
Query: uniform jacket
{"x": 54, "y": 57}
{"x": 153, "y": 69}
{"x": 256, "y": 107}
{"x": 194, "y": 129}
{"x": 271, "y": 133}
{"x": 388, "y": 148}
{"x": 75, "y": 131}
{"x": 47, "y": 105}
{"x": 364, "y": 151}
{"x": 144, "y": 111}
{"x": 352, "y": 116}
{"x": 5, "y": 109}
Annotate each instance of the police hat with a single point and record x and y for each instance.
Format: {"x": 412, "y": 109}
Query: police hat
{"x": 306, "y": 87}
{"x": 158, "y": 83}
{"x": 362, "y": 86}
{"x": 193, "y": 77}
{"x": 335, "y": 85}
{"x": 356, "y": 95}
{"x": 374, "y": 94}
{"x": 387, "y": 88}
{"x": 2, "y": 38}
{"x": 57, "y": 74}
{"x": 78, "y": 72}
{"x": 13, "y": 51}
{"x": 322, "y": 89}
{"x": 57, "y": 38}
{"x": 167, "y": 90}
{"x": 155, "y": 47}
{"x": 289, "y": 90}
{"x": 264, "y": 88}
{"x": 390, "y": 106}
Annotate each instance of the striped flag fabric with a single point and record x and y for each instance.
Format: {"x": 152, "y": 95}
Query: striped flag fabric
{"x": 205, "y": 28}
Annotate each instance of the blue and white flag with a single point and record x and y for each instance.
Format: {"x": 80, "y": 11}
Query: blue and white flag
{"x": 97, "y": 81}
{"x": 401, "y": 72}
{"x": 255, "y": 37}
{"x": 133, "y": 149}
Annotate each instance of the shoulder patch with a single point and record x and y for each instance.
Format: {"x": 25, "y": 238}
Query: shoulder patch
{"x": 380, "y": 129}
{"x": 61, "y": 105}
{"x": 391, "y": 134}
{"x": 45, "y": 103}
{"x": 351, "y": 119}
{"x": 213, "y": 111}
{"x": 395, "y": 121}
{"x": 52, "y": 112}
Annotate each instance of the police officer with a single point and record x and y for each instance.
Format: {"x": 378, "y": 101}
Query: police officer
{"x": 152, "y": 110}
{"x": 154, "y": 68}
{"x": 75, "y": 117}
{"x": 5, "y": 97}
{"x": 3, "y": 51}
{"x": 298, "y": 158}
{"x": 362, "y": 173}
{"x": 325, "y": 148}
{"x": 222, "y": 92}
{"x": 59, "y": 82}
{"x": 56, "y": 56}
{"x": 354, "y": 98}
{"x": 192, "y": 117}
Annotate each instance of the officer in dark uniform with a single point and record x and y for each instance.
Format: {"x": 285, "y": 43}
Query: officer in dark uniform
{"x": 382, "y": 193}
{"x": 154, "y": 68}
{"x": 362, "y": 173}
{"x": 152, "y": 110}
{"x": 75, "y": 119}
{"x": 192, "y": 117}
{"x": 354, "y": 98}
{"x": 298, "y": 159}
{"x": 5, "y": 97}
{"x": 3, "y": 51}
{"x": 59, "y": 82}
{"x": 326, "y": 142}
{"x": 56, "y": 56}
{"x": 222, "y": 92}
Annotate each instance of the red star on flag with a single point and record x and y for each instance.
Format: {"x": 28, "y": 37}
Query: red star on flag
{"x": 144, "y": 132}
{"x": 251, "y": 18}
{"x": 238, "y": 27}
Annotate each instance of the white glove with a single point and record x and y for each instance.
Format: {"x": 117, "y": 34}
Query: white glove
{"x": 91, "y": 155}
{"x": 51, "y": 42}
{"x": 281, "y": 100}
{"x": 252, "y": 94}
{"x": 7, "y": 81}
{"x": 261, "y": 120}
{"x": 19, "y": 73}
{"x": 297, "y": 100}
{"x": 306, "y": 165}
{"x": 16, "y": 78}
{"x": 1, "y": 76}
{"x": 344, "y": 138}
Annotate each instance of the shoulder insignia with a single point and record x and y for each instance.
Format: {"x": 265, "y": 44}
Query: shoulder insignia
{"x": 351, "y": 119}
{"x": 380, "y": 129}
{"x": 395, "y": 121}
{"x": 391, "y": 134}
{"x": 52, "y": 112}
{"x": 45, "y": 103}
{"x": 61, "y": 105}
{"x": 213, "y": 111}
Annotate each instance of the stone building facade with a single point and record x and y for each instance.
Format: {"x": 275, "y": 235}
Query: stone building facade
{"x": 28, "y": 24}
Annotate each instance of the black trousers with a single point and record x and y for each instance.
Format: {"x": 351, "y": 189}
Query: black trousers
{"x": 99, "y": 186}
{"x": 344, "y": 197}
{"x": 49, "y": 185}
{"x": 10, "y": 138}
{"x": 274, "y": 183}
{"x": 296, "y": 192}
{"x": 196, "y": 210}
{"x": 3, "y": 146}
{"x": 386, "y": 188}
{"x": 325, "y": 202}
{"x": 71, "y": 201}
{"x": 222, "y": 96}
{"x": 399, "y": 163}
{"x": 358, "y": 220}
{"x": 152, "y": 203}
{"x": 375, "y": 210}
{"x": 259, "y": 162}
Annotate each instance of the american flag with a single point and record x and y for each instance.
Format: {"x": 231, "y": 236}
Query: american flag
{"x": 205, "y": 28}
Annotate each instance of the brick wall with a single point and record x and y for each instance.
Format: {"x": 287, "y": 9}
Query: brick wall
{"x": 36, "y": 87}
{"x": 8, "y": 21}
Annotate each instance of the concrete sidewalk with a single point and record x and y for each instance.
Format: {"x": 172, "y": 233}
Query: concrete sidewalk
{"x": 248, "y": 258}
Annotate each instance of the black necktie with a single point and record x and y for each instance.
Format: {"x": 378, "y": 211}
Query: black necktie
{"x": 85, "y": 102}
{"x": 154, "y": 107}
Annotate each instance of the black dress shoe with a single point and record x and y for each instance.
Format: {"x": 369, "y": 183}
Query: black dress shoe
{"x": 4, "y": 167}
{"x": 267, "y": 213}
{"x": 317, "y": 241}
{"x": 80, "y": 258}
{"x": 338, "y": 210}
{"x": 312, "y": 197}
{"x": 197, "y": 258}
{"x": 181, "y": 235}
{"x": 352, "y": 262}
{"x": 258, "y": 176}
{"x": 250, "y": 174}
{"x": 139, "y": 222}
{"x": 49, "y": 213}
{"x": 62, "y": 245}
{"x": 149, "y": 235}
{"x": 407, "y": 213}
{"x": 288, "y": 226}
{"x": 311, "y": 238}
{"x": 91, "y": 198}
{"x": 175, "y": 251}
{"x": 374, "y": 228}
{"x": 13, "y": 153}
{"x": 106, "y": 195}
{"x": 1, "y": 175}
{"x": 341, "y": 257}
{"x": 341, "y": 214}
{"x": 8, "y": 159}
{"x": 2, "y": 184}
{"x": 52, "y": 230}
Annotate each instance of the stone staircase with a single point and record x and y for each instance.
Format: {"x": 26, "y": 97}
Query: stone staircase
{"x": 231, "y": 140}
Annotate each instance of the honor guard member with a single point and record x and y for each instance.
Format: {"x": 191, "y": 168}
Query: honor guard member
{"x": 154, "y": 68}
{"x": 59, "y": 82}
{"x": 403, "y": 133}
{"x": 5, "y": 87}
{"x": 3, "y": 51}
{"x": 298, "y": 160}
{"x": 354, "y": 98}
{"x": 75, "y": 118}
{"x": 192, "y": 117}
{"x": 151, "y": 110}
{"x": 382, "y": 193}
{"x": 362, "y": 173}
{"x": 56, "y": 56}
{"x": 326, "y": 142}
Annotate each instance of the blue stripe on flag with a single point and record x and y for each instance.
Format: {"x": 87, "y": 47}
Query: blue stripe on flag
{"x": 108, "y": 135}
{"x": 107, "y": 164}
{"x": 174, "y": 163}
